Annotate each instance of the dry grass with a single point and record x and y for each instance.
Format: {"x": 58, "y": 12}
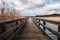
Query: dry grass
{"x": 10, "y": 16}
{"x": 57, "y": 18}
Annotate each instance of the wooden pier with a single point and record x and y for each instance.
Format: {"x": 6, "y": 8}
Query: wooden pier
{"x": 15, "y": 26}
{"x": 27, "y": 29}
{"x": 32, "y": 32}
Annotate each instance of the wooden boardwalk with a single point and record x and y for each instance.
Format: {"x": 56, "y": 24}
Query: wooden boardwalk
{"x": 31, "y": 32}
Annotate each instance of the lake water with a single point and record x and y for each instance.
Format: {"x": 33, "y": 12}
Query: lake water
{"x": 52, "y": 26}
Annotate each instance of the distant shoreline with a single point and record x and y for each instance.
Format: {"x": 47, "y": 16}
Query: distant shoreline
{"x": 52, "y": 15}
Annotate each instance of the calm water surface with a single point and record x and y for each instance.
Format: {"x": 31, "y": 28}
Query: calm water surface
{"x": 52, "y": 26}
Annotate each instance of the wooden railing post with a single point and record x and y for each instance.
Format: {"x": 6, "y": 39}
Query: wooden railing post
{"x": 21, "y": 21}
{"x": 16, "y": 22}
{"x": 3, "y": 27}
{"x": 39, "y": 23}
{"x": 58, "y": 31}
{"x": 36, "y": 22}
{"x": 44, "y": 23}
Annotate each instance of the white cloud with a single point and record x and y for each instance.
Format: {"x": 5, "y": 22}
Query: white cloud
{"x": 36, "y": 2}
{"x": 25, "y": 4}
{"x": 28, "y": 13}
{"x": 55, "y": 1}
{"x": 47, "y": 9}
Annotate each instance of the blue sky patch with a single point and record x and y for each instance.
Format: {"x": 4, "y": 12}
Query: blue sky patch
{"x": 13, "y": 5}
{"x": 48, "y": 2}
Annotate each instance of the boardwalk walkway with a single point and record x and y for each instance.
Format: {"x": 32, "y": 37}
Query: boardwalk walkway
{"x": 31, "y": 32}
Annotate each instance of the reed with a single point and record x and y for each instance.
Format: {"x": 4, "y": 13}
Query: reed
{"x": 10, "y": 16}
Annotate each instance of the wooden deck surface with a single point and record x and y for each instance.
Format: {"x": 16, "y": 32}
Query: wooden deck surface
{"x": 31, "y": 32}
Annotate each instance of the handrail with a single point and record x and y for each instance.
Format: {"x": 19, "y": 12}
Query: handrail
{"x": 9, "y": 21}
{"x": 45, "y": 27}
{"x": 13, "y": 30}
{"x": 51, "y": 21}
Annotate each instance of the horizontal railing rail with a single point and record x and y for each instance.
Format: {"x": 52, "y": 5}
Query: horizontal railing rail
{"x": 37, "y": 20}
{"x": 51, "y": 21}
{"x": 10, "y": 21}
{"x": 9, "y": 34}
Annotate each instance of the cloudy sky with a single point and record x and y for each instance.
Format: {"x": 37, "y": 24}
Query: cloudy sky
{"x": 35, "y": 7}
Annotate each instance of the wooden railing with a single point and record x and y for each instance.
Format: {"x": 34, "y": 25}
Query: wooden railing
{"x": 9, "y": 28}
{"x": 38, "y": 21}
